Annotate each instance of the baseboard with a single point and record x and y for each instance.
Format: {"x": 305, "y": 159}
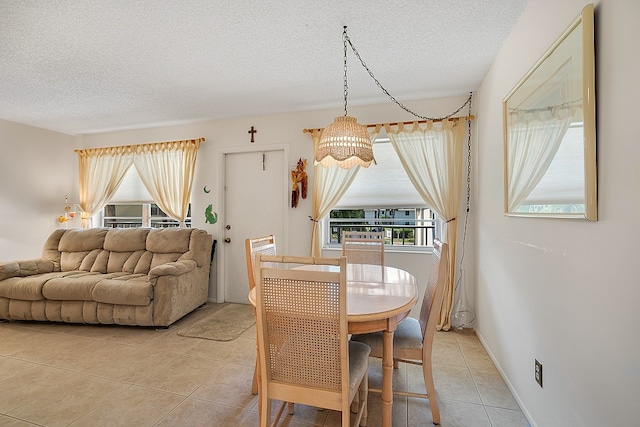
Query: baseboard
{"x": 521, "y": 404}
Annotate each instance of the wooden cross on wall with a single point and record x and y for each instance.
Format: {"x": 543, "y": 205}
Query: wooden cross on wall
{"x": 252, "y": 132}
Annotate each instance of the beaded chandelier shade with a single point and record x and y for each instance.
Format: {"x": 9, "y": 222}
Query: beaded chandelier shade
{"x": 345, "y": 142}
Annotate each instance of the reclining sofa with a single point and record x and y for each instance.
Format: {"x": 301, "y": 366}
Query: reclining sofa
{"x": 133, "y": 276}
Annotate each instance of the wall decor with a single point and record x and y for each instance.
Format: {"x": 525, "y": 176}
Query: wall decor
{"x": 210, "y": 217}
{"x": 550, "y": 131}
{"x": 299, "y": 182}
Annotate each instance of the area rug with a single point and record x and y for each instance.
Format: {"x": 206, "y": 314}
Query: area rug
{"x": 225, "y": 324}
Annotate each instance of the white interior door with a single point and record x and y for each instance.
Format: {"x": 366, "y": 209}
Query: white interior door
{"x": 254, "y": 206}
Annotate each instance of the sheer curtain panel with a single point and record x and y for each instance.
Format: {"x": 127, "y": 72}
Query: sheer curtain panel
{"x": 100, "y": 172}
{"x": 431, "y": 154}
{"x": 167, "y": 170}
{"x": 329, "y": 184}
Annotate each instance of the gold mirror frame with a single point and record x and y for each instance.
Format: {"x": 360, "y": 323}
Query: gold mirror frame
{"x": 554, "y": 107}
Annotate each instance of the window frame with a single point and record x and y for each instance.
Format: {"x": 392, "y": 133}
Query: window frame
{"x": 327, "y": 242}
{"x": 147, "y": 219}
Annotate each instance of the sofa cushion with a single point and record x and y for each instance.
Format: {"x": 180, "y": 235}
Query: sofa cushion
{"x": 27, "y": 288}
{"x": 73, "y": 287}
{"x": 144, "y": 263}
{"x": 169, "y": 240}
{"x": 123, "y": 261}
{"x": 76, "y": 245}
{"x": 159, "y": 259}
{"x": 199, "y": 248}
{"x": 50, "y": 249}
{"x": 126, "y": 239}
{"x": 130, "y": 289}
{"x": 82, "y": 240}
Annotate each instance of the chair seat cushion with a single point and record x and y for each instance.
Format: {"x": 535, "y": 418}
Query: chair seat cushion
{"x": 407, "y": 335}
{"x": 358, "y": 362}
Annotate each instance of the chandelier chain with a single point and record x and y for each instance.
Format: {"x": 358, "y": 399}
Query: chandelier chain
{"x": 469, "y": 155}
{"x": 346, "y": 39}
{"x": 346, "y": 87}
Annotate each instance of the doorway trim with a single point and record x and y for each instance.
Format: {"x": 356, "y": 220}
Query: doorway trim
{"x": 221, "y": 156}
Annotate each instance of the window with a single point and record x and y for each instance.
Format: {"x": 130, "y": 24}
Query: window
{"x": 417, "y": 230}
{"x": 139, "y": 215}
{"x": 133, "y": 206}
{"x": 382, "y": 198}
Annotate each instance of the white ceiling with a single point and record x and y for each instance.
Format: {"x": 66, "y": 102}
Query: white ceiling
{"x": 86, "y": 66}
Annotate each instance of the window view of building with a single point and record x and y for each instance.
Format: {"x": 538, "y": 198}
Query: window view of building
{"x": 401, "y": 226}
{"x": 139, "y": 215}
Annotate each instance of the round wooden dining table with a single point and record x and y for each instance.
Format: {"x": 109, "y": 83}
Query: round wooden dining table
{"x": 378, "y": 298}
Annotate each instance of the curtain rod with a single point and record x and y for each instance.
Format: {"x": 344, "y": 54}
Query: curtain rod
{"x": 372, "y": 125}
{"x": 125, "y": 147}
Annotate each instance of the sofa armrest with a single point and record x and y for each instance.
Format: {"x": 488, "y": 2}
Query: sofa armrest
{"x": 23, "y": 268}
{"x": 172, "y": 268}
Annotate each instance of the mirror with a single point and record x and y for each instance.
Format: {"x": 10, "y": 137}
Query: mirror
{"x": 550, "y": 131}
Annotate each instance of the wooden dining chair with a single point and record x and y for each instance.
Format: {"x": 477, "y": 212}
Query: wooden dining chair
{"x": 413, "y": 339}
{"x": 305, "y": 354}
{"x": 258, "y": 245}
{"x": 363, "y": 247}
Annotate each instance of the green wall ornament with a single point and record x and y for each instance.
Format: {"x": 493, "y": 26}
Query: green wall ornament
{"x": 210, "y": 216}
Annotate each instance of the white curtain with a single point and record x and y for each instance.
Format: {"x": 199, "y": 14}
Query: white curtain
{"x": 167, "y": 170}
{"x": 100, "y": 172}
{"x": 533, "y": 140}
{"x": 329, "y": 184}
{"x": 431, "y": 155}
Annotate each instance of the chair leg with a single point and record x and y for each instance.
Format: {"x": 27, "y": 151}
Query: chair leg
{"x": 254, "y": 385}
{"x": 431, "y": 391}
{"x": 265, "y": 411}
{"x": 364, "y": 397}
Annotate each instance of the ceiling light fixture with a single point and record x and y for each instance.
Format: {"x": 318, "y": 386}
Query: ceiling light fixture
{"x": 345, "y": 142}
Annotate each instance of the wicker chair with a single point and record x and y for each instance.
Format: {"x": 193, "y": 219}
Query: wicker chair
{"x": 305, "y": 354}
{"x": 259, "y": 245}
{"x": 413, "y": 339}
{"x": 363, "y": 247}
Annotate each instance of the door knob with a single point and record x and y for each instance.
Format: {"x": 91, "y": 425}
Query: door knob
{"x": 227, "y": 240}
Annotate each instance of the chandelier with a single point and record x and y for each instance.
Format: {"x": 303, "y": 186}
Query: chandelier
{"x": 345, "y": 142}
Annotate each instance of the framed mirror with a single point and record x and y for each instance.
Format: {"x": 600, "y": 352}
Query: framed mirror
{"x": 550, "y": 131}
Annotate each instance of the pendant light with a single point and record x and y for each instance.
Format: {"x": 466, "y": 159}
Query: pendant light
{"x": 345, "y": 142}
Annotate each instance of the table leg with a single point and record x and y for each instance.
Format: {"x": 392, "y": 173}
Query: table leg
{"x": 387, "y": 377}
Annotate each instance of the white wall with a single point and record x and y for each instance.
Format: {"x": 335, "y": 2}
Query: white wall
{"x": 565, "y": 291}
{"x": 272, "y": 130}
{"x": 37, "y": 168}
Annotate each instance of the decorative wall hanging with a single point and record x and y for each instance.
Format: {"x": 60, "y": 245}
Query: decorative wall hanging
{"x": 252, "y": 131}
{"x": 550, "y": 131}
{"x": 210, "y": 216}
{"x": 70, "y": 210}
{"x": 299, "y": 182}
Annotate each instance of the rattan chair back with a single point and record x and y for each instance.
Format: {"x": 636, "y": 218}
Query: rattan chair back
{"x": 303, "y": 335}
{"x": 363, "y": 247}
{"x": 260, "y": 245}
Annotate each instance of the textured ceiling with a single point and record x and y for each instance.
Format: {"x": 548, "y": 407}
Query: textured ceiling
{"x": 87, "y": 66}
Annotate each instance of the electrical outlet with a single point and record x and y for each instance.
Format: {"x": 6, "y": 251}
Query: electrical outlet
{"x": 538, "y": 372}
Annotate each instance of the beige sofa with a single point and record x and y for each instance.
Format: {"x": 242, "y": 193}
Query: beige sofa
{"x": 134, "y": 276}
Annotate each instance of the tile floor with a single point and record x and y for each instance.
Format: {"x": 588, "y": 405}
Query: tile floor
{"x": 83, "y": 375}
